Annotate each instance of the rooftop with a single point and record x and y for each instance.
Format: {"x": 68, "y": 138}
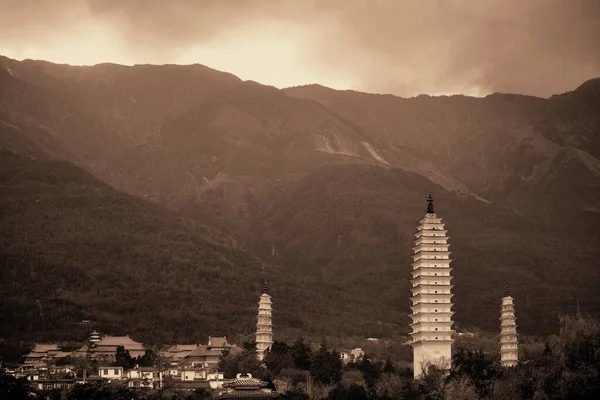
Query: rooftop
{"x": 182, "y": 347}
{"x": 218, "y": 341}
{"x": 203, "y": 351}
{"x": 248, "y": 394}
{"x": 45, "y": 347}
{"x": 124, "y": 341}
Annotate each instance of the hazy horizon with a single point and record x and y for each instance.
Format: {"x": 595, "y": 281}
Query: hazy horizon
{"x": 310, "y": 83}
{"x": 405, "y": 48}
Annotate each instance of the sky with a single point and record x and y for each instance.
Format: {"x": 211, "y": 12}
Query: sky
{"x": 403, "y": 47}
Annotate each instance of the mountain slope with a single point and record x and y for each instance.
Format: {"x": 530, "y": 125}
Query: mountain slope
{"x": 510, "y": 149}
{"x": 73, "y": 248}
{"x": 325, "y": 186}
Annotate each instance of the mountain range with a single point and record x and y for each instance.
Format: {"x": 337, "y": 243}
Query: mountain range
{"x": 155, "y": 200}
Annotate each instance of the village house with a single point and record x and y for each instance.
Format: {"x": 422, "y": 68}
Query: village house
{"x": 353, "y": 355}
{"x": 144, "y": 377}
{"x": 110, "y": 373}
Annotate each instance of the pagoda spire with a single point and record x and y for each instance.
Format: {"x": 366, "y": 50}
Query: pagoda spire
{"x": 432, "y": 333}
{"x": 430, "y": 205}
{"x": 264, "y": 325}
{"x": 509, "y": 347}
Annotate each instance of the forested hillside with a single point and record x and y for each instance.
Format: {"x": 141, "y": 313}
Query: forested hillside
{"x": 155, "y": 199}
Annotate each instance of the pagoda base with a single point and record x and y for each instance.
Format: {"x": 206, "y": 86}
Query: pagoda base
{"x": 426, "y": 353}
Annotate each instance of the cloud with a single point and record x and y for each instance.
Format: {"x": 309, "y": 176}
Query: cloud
{"x": 405, "y": 47}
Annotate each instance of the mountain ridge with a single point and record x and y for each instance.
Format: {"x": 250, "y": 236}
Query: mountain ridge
{"x": 326, "y": 193}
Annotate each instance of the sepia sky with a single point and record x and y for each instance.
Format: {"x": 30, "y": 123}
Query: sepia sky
{"x": 404, "y": 47}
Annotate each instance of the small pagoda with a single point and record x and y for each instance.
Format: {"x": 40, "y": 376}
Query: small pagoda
{"x": 247, "y": 388}
{"x": 94, "y": 338}
{"x": 432, "y": 333}
{"x": 264, "y": 325}
{"x": 509, "y": 347}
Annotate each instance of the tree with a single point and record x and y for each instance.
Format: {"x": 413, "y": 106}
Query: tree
{"x": 371, "y": 371}
{"x": 388, "y": 367}
{"x": 295, "y": 394}
{"x": 326, "y": 366}
{"x": 13, "y": 388}
{"x": 200, "y": 394}
{"x": 302, "y": 354}
{"x": 148, "y": 359}
{"x": 480, "y": 369}
{"x": 278, "y": 357}
{"x": 245, "y": 362}
{"x": 123, "y": 358}
{"x": 353, "y": 392}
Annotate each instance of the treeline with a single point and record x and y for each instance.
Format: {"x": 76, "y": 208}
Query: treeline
{"x": 567, "y": 368}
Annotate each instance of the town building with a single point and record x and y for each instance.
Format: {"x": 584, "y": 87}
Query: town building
{"x": 509, "y": 348}
{"x": 264, "y": 325}
{"x": 432, "y": 333}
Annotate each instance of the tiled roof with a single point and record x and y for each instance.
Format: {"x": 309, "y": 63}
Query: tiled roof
{"x": 124, "y": 341}
{"x": 218, "y": 341}
{"x": 82, "y": 349}
{"x": 245, "y": 383}
{"x": 42, "y": 348}
{"x": 248, "y": 394}
{"x": 182, "y": 347}
{"x": 203, "y": 351}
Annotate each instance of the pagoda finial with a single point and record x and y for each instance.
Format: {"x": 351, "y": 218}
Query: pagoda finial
{"x": 506, "y": 291}
{"x": 430, "y": 204}
{"x": 265, "y": 288}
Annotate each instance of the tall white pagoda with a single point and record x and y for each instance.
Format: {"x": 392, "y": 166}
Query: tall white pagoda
{"x": 432, "y": 333}
{"x": 264, "y": 326}
{"x": 509, "y": 347}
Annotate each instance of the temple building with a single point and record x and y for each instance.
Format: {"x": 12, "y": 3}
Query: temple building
{"x": 264, "y": 325}
{"x": 432, "y": 333}
{"x": 105, "y": 347}
{"x": 45, "y": 353}
{"x": 207, "y": 356}
{"x": 247, "y": 387}
{"x": 509, "y": 348}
